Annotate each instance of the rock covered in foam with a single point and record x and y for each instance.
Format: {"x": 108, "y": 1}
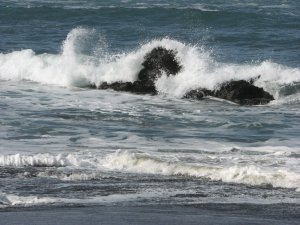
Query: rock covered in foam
{"x": 156, "y": 62}
{"x": 161, "y": 60}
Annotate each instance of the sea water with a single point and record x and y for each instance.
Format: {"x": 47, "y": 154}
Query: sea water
{"x": 64, "y": 144}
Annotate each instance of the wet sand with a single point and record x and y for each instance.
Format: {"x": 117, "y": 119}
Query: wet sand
{"x": 158, "y": 215}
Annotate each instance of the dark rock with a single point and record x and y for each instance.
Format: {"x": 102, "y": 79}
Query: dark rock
{"x": 161, "y": 60}
{"x": 141, "y": 88}
{"x": 93, "y": 86}
{"x": 254, "y": 101}
{"x": 156, "y": 62}
{"x": 198, "y": 94}
{"x": 243, "y": 92}
{"x": 135, "y": 87}
{"x": 117, "y": 86}
{"x": 252, "y": 80}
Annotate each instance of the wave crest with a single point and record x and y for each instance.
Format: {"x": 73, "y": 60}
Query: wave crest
{"x": 144, "y": 163}
{"x": 85, "y": 60}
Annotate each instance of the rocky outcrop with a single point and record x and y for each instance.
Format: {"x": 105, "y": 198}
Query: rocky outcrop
{"x": 158, "y": 61}
{"x": 137, "y": 87}
{"x": 198, "y": 94}
{"x": 241, "y": 92}
{"x": 244, "y": 93}
{"x": 163, "y": 61}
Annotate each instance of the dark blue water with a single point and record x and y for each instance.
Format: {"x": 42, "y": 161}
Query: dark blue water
{"x": 237, "y": 31}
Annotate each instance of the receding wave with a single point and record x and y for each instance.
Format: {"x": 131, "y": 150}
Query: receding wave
{"x": 11, "y": 200}
{"x": 75, "y": 66}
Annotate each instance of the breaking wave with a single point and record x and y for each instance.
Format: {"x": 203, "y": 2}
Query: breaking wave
{"x": 123, "y": 161}
{"x": 82, "y": 62}
{"x": 142, "y": 163}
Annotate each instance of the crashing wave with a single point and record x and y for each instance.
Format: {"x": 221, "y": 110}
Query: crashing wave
{"x": 75, "y": 66}
{"x": 144, "y": 163}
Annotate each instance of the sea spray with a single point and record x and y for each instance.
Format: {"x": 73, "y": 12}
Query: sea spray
{"x": 73, "y": 67}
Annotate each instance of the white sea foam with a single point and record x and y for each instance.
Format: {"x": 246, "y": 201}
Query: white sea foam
{"x": 8, "y": 200}
{"x": 124, "y": 161}
{"x": 14, "y": 200}
{"x": 200, "y": 7}
{"x": 74, "y": 68}
{"x": 74, "y": 176}
{"x": 143, "y": 163}
{"x": 45, "y": 159}
{"x": 19, "y": 160}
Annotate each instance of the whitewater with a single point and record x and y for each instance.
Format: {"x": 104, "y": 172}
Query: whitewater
{"x": 205, "y": 143}
{"x": 74, "y": 68}
{"x": 68, "y": 147}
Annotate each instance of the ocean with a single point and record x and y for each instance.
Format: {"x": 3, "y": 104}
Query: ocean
{"x": 66, "y": 149}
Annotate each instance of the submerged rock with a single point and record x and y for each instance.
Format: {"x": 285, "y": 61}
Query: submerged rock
{"x": 163, "y": 61}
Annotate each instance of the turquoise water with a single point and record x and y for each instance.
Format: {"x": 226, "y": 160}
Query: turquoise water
{"x": 64, "y": 144}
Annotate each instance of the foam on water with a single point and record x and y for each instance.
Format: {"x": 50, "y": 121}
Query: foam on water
{"x": 145, "y": 163}
{"x": 14, "y": 200}
{"x": 19, "y": 160}
{"x": 9, "y": 200}
{"x": 74, "y": 67}
{"x": 47, "y": 160}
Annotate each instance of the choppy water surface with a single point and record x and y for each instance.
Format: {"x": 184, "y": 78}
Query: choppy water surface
{"x": 64, "y": 144}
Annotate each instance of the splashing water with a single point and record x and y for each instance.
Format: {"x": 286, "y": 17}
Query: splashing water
{"x": 77, "y": 67}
